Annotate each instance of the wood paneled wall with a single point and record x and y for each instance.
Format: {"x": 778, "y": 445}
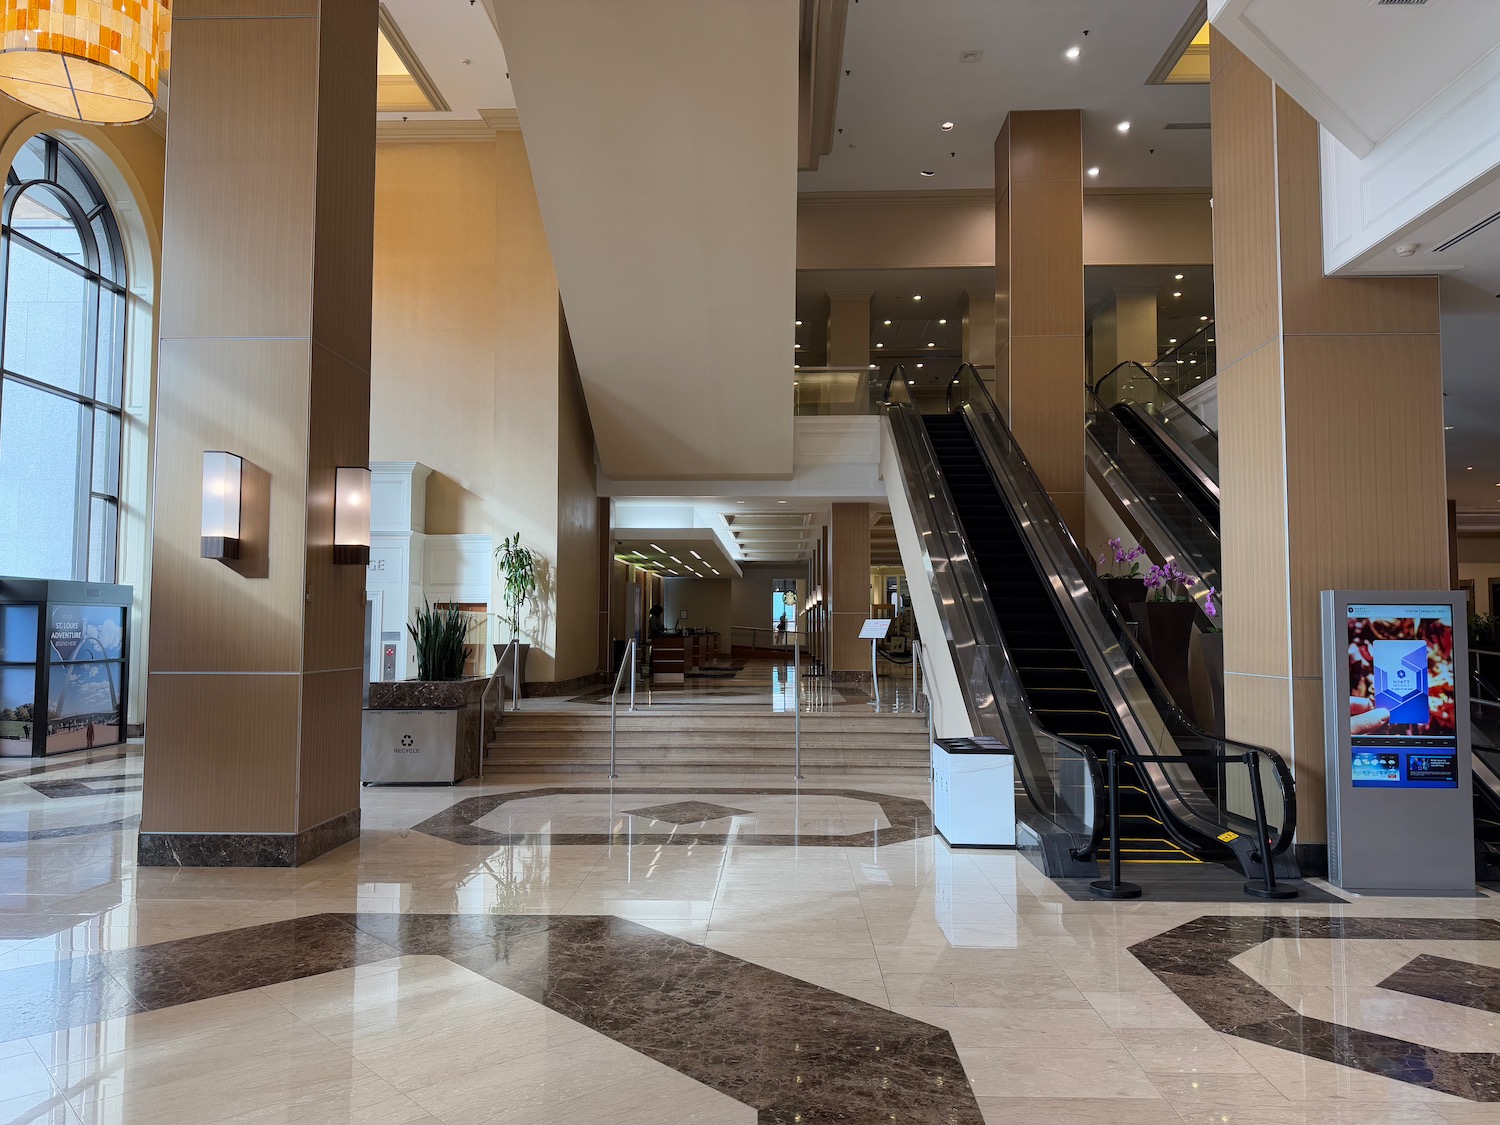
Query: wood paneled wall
{"x": 848, "y": 329}
{"x": 1331, "y": 426}
{"x": 848, "y": 585}
{"x": 1039, "y": 313}
{"x": 255, "y": 670}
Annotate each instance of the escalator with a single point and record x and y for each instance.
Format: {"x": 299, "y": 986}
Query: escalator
{"x": 1484, "y": 729}
{"x": 1193, "y": 488}
{"x": 1056, "y": 681}
{"x": 1049, "y": 667}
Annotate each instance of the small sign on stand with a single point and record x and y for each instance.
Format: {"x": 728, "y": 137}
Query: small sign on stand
{"x": 874, "y": 630}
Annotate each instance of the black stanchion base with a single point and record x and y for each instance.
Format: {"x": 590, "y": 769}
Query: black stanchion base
{"x": 1260, "y": 890}
{"x": 1105, "y": 889}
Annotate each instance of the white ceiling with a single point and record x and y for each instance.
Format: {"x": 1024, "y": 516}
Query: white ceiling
{"x": 1359, "y": 67}
{"x": 459, "y": 48}
{"x": 904, "y": 79}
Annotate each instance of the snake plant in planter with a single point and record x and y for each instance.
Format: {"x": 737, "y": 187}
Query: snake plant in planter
{"x": 440, "y": 636}
{"x": 516, "y": 566}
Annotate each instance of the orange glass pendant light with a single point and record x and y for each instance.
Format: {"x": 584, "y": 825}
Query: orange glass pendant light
{"x": 98, "y": 61}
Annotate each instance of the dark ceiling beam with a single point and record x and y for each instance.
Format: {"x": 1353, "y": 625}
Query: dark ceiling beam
{"x": 820, "y": 66}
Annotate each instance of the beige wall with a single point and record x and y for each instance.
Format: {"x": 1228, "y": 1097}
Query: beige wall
{"x": 1479, "y": 559}
{"x": 941, "y": 230}
{"x": 473, "y": 374}
{"x": 708, "y": 601}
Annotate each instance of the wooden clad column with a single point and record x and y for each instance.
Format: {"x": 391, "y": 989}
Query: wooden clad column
{"x": 1331, "y": 426}
{"x": 1039, "y": 314}
{"x": 848, "y": 329}
{"x": 848, "y": 586}
{"x": 256, "y": 665}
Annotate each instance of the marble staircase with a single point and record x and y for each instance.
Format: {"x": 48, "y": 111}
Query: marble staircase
{"x": 729, "y": 740}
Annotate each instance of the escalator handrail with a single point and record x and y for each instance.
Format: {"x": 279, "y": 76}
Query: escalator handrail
{"x": 1188, "y": 457}
{"x": 1171, "y": 539}
{"x": 1146, "y": 371}
{"x": 1206, "y": 326}
{"x": 898, "y": 370}
{"x": 1021, "y": 731}
{"x": 1170, "y": 713}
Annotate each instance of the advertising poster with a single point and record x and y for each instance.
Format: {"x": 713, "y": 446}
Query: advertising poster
{"x": 83, "y": 706}
{"x": 17, "y": 709}
{"x": 86, "y": 632}
{"x": 1402, "y": 711}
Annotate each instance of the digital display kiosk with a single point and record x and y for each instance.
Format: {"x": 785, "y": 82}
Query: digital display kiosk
{"x": 1397, "y": 741}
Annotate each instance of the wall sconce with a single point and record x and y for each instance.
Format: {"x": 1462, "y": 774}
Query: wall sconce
{"x": 222, "y": 476}
{"x": 351, "y": 516}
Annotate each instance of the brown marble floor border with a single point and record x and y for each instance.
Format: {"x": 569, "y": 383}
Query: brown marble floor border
{"x": 48, "y": 765}
{"x": 794, "y": 1051}
{"x": 1452, "y": 982}
{"x": 1194, "y": 961}
{"x": 909, "y": 819}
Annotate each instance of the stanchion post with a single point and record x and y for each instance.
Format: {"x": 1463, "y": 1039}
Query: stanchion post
{"x": 1112, "y": 887}
{"x": 1268, "y": 887}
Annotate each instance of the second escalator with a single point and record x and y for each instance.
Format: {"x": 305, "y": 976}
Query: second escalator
{"x": 1059, "y": 686}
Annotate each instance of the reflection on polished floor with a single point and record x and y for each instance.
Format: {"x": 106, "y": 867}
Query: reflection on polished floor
{"x": 698, "y": 949}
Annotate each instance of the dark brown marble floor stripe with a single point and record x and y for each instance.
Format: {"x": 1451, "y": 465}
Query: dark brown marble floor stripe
{"x": 1453, "y": 982}
{"x": 909, "y": 819}
{"x": 794, "y": 1051}
{"x": 1193, "y": 960}
{"x": 61, "y": 787}
{"x": 48, "y": 765}
{"x": 23, "y": 836}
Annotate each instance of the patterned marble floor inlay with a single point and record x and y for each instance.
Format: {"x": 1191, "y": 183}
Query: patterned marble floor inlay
{"x": 687, "y": 812}
{"x": 1194, "y": 961}
{"x": 89, "y": 787}
{"x": 794, "y": 1051}
{"x": 907, "y": 818}
{"x": 1453, "y": 982}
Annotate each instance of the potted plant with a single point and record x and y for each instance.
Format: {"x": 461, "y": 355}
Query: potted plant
{"x": 1121, "y": 576}
{"x": 1170, "y": 610}
{"x": 1206, "y": 667}
{"x": 441, "y": 636}
{"x": 516, "y": 566}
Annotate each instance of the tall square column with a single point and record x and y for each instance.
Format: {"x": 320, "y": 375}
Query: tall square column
{"x": 1331, "y": 426}
{"x": 848, "y": 586}
{"x": 1039, "y": 313}
{"x": 256, "y": 665}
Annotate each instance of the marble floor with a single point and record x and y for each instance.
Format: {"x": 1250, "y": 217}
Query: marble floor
{"x": 698, "y": 949}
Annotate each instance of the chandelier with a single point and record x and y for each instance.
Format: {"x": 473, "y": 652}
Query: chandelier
{"x": 98, "y": 61}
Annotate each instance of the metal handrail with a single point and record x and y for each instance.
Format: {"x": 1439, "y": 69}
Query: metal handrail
{"x": 483, "y": 697}
{"x": 614, "y": 696}
{"x": 1135, "y": 657}
{"x": 1206, "y": 327}
{"x": 899, "y": 369}
{"x": 1146, "y": 371}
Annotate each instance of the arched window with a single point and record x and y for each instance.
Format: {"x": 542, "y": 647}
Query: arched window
{"x": 62, "y": 286}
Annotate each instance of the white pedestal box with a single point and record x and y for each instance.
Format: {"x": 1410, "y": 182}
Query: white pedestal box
{"x": 974, "y": 792}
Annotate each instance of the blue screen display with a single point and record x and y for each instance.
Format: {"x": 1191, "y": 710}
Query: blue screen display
{"x": 1395, "y": 767}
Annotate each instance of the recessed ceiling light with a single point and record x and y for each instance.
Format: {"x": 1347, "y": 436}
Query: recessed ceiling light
{"x": 943, "y": 321}
{"x": 798, "y": 323}
{"x": 1072, "y": 53}
{"x": 925, "y": 172}
{"x": 916, "y": 296}
{"x": 880, "y": 345}
{"x": 1178, "y": 276}
{"x": 796, "y": 367}
{"x": 1210, "y": 339}
{"x": 947, "y": 126}
{"x": 911, "y": 382}
{"x": 739, "y": 501}
{"x": 1471, "y": 468}
{"x": 781, "y": 501}
{"x": 1123, "y": 126}
{"x": 1173, "y": 340}
{"x": 874, "y": 367}
{"x": 1203, "y": 318}
{"x": 796, "y": 347}
{"x": 919, "y": 365}
{"x": 887, "y": 324}
{"x": 1094, "y": 171}
{"x": 1447, "y": 427}
{"x": 931, "y": 345}
{"x": 1177, "y": 294}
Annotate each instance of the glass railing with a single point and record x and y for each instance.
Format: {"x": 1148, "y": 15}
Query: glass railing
{"x": 819, "y": 391}
{"x": 1059, "y": 779}
{"x": 1170, "y": 520}
{"x": 1190, "y": 363}
{"x": 1200, "y": 778}
{"x": 1143, "y": 391}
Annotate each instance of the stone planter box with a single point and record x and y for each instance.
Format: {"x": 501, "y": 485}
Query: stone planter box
{"x": 461, "y": 697}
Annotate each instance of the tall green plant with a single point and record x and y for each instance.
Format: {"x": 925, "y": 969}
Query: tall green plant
{"x": 440, "y": 636}
{"x": 517, "y": 568}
